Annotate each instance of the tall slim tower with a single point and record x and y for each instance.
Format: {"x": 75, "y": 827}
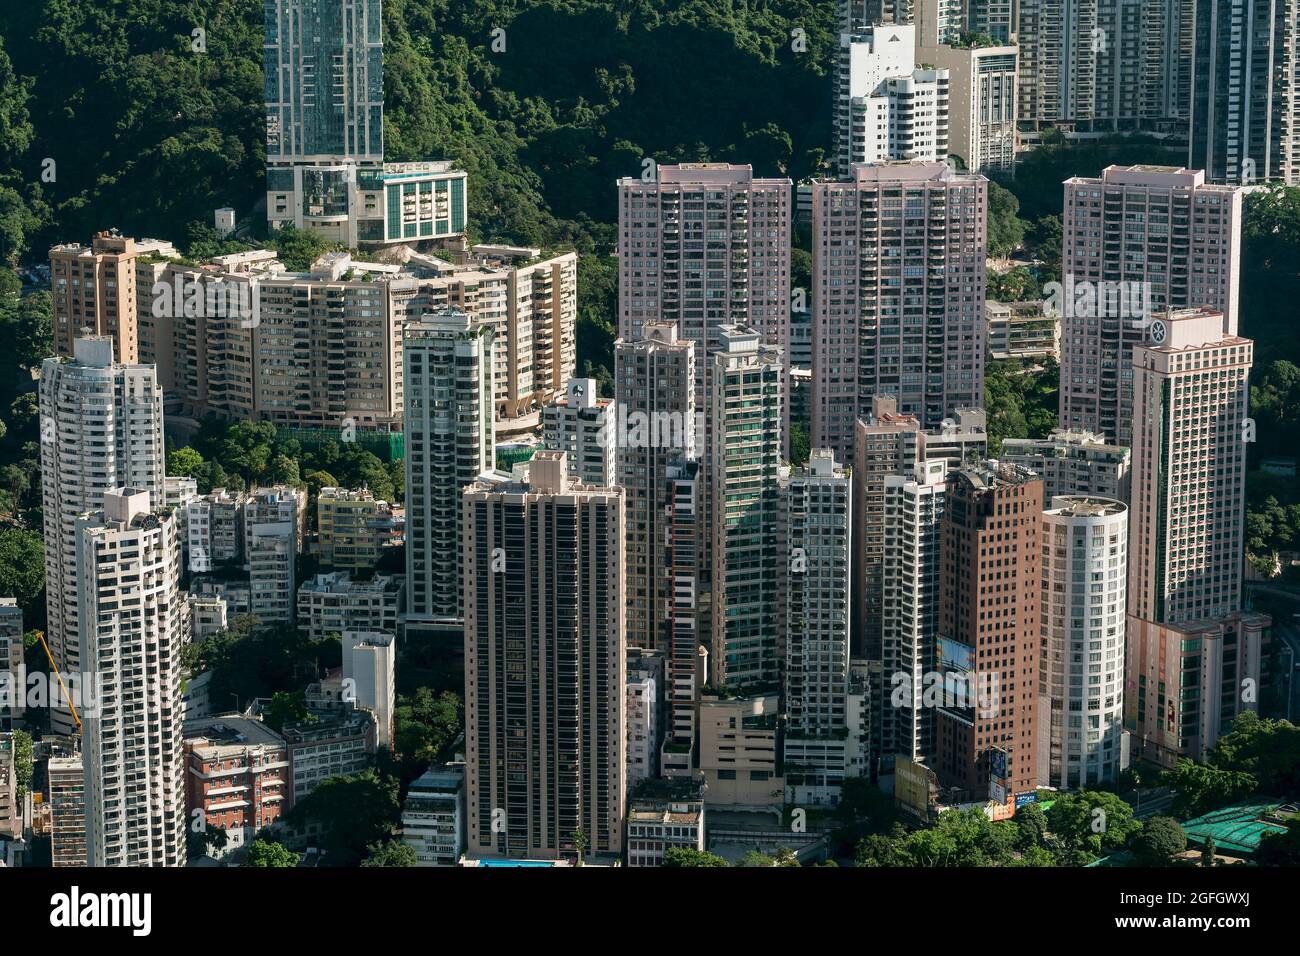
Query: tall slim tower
{"x": 986, "y": 742}
{"x": 1081, "y": 673}
{"x": 913, "y": 512}
{"x": 101, "y": 428}
{"x": 1139, "y": 239}
{"x": 654, "y": 387}
{"x": 1193, "y": 654}
{"x": 898, "y": 295}
{"x": 132, "y": 632}
{"x": 818, "y": 523}
{"x": 744, "y": 455}
{"x": 450, "y": 441}
{"x": 545, "y": 663}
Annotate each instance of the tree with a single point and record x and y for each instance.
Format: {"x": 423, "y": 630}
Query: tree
{"x": 580, "y": 843}
{"x": 22, "y": 569}
{"x": 267, "y": 854}
{"x": 1158, "y": 842}
{"x": 286, "y": 707}
{"x": 1199, "y": 788}
{"x": 1091, "y": 822}
{"x": 22, "y": 758}
{"x": 1031, "y": 827}
{"x": 185, "y": 462}
{"x": 390, "y": 853}
{"x": 1006, "y": 231}
{"x": 1280, "y": 849}
{"x": 352, "y": 813}
{"x": 425, "y": 726}
{"x": 1207, "y": 852}
{"x": 679, "y": 856}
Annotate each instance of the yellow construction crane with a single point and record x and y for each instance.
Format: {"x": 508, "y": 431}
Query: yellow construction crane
{"x": 62, "y": 686}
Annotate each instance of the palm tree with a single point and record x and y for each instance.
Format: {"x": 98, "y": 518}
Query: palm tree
{"x": 580, "y": 843}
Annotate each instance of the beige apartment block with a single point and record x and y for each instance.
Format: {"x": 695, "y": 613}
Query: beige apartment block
{"x": 1194, "y": 656}
{"x": 93, "y": 291}
{"x": 355, "y": 527}
{"x": 545, "y": 664}
{"x": 738, "y": 751}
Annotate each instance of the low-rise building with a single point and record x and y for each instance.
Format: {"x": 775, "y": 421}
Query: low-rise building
{"x": 333, "y": 602}
{"x": 1073, "y": 463}
{"x": 738, "y": 738}
{"x": 355, "y": 527}
{"x": 1021, "y": 330}
{"x": 370, "y": 681}
{"x": 332, "y": 744}
{"x": 656, "y": 825}
{"x": 433, "y": 816}
{"x": 237, "y": 774}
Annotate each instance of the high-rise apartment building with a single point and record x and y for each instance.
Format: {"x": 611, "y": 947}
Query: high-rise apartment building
{"x": 909, "y": 612}
{"x": 131, "y": 635}
{"x": 745, "y": 384}
{"x": 94, "y": 291}
{"x": 1109, "y": 65}
{"x": 986, "y": 731}
{"x": 1072, "y": 463}
{"x": 1189, "y": 467}
{"x": 887, "y": 108}
{"x": 273, "y": 523}
{"x": 545, "y": 664}
{"x": 703, "y": 245}
{"x": 324, "y": 80}
{"x": 1194, "y": 657}
{"x": 1245, "y": 101}
{"x": 450, "y": 441}
{"x": 101, "y": 428}
{"x": 1137, "y": 240}
{"x": 654, "y": 388}
{"x": 854, "y": 15}
{"x": 888, "y": 443}
{"x": 1084, "y": 557}
{"x": 818, "y": 525}
{"x": 530, "y": 300}
{"x": 898, "y": 295}
{"x": 583, "y": 426}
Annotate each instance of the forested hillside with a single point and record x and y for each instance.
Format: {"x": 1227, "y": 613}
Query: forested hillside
{"x": 149, "y": 134}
